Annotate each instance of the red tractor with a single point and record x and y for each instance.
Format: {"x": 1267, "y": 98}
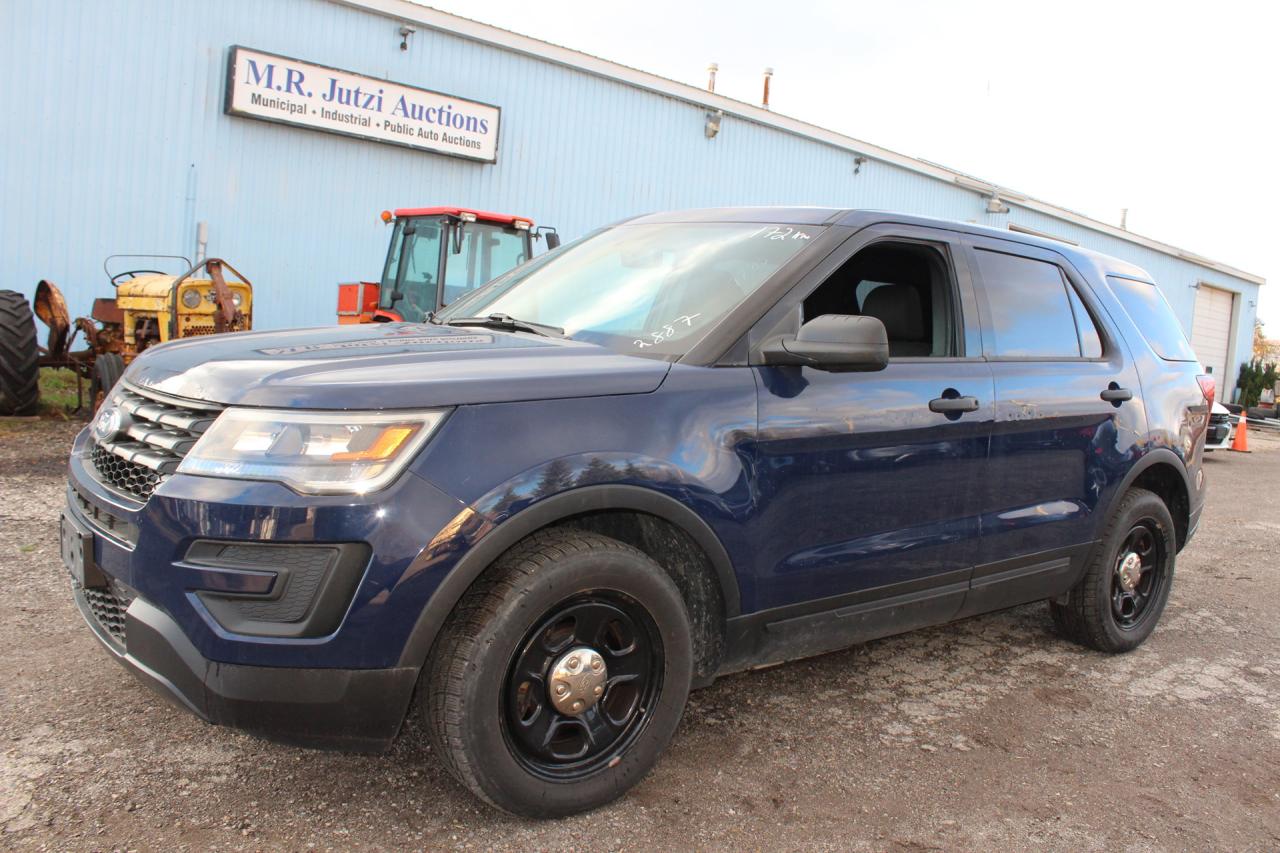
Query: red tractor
{"x": 436, "y": 255}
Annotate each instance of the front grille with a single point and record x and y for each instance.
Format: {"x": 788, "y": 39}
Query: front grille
{"x": 108, "y": 606}
{"x": 154, "y": 436}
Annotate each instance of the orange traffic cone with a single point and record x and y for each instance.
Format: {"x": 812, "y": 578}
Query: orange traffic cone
{"x": 1241, "y": 441}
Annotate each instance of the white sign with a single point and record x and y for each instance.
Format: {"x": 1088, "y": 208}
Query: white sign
{"x": 277, "y": 88}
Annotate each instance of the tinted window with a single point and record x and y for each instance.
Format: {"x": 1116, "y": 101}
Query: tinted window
{"x": 1090, "y": 340}
{"x": 1031, "y": 313}
{"x": 1149, "y": 311}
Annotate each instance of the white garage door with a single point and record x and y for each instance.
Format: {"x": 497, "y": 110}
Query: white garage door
{"x": 1211, "y": 331}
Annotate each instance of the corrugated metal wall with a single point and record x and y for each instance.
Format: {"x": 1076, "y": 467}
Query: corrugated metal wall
{"x": 113, "y": 139}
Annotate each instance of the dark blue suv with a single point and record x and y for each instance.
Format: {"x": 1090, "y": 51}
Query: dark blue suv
{"x": 682, "y": 446}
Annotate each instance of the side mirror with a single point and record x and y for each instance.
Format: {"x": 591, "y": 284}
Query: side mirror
{"x": 553, "y": 240}
{"x": 833, "y": 342}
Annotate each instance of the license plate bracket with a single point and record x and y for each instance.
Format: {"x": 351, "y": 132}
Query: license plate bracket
{"x": 77, "y": 553}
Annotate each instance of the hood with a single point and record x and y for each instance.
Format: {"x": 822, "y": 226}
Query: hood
{"x": 388, "y": 366}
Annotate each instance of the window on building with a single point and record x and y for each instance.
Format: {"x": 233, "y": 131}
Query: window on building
{"x": 907, "y": 286}
{"x": 1030, "y": 308}
{"x": 1150, "y": 312}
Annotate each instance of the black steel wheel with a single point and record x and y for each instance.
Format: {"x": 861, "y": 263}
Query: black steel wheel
{"x": 546, "y": 732}
{"x": 1138, "y": 577}
{"x": 560, "y": 676}
{"x": 19, "y": 356}
{"x": 1116, "y": 604}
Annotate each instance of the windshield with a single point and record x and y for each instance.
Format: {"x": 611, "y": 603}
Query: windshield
{"x": 648, "y": 289}
{"x": 417, "y": 296}
{"x": 486, "y": 251}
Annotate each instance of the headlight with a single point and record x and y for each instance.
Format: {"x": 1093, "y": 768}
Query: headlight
{"x": 236, "y": 298}
{"x": 191, "y": 298}
{"x": 314, "y": 452}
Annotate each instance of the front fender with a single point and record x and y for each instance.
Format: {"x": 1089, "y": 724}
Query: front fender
{"x": 531, "y": 501}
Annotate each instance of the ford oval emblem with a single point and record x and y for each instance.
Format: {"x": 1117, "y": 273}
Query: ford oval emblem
{"x": 108, "y": 423}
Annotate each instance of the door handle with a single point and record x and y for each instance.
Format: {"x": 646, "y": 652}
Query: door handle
{"x": 1116, "y": 394}
{"x": 953, "y": 405}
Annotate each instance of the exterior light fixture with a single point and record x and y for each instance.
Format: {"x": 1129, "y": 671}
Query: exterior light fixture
{"x": 995, "y": 205}
{"x": 712, "y": 126}
{"x": 405, "y": 32}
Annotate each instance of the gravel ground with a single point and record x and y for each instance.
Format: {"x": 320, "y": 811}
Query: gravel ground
{"x": 989, "y": 734}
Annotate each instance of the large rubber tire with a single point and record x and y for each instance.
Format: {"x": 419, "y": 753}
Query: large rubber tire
{"x": 107, "y": 370}
{"x": 19, "y": 354}
{"x": 1088, "y": 616}
{"x": 467, "y": 678}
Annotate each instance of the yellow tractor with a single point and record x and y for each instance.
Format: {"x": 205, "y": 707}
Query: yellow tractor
{"x": 149, "y": 307}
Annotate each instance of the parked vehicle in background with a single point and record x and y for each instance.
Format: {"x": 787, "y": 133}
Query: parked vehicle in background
{"x": 149, "y": 307}
{"x": 683, "y": 446}
{"x": 436, "y": 255}
{"x": 1222, "y": 425}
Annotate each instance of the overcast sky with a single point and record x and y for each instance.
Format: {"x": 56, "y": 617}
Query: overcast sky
{"x": 1169, "y": 109}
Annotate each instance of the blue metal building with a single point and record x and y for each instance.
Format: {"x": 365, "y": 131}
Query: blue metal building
{"x": 115, "y": 139}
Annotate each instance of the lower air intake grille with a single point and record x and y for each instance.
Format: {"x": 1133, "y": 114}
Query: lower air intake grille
{"x": 108, "y": 606}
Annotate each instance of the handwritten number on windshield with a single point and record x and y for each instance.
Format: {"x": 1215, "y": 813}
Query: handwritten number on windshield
{"x": 780, "y": 232}
{"x": 667, "y": 331}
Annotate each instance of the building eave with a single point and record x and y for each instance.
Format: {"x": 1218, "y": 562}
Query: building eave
{"x": 406, "y": 11}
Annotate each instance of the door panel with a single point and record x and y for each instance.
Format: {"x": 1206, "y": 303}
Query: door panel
{"x": 867, "y": 496}
{"x": 1058, "y": 450}
{"x": 861, "y": 486}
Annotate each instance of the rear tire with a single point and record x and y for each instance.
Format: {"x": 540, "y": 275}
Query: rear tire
{"x": 489, "y": 706}
{"x": 1108, "y": 610}
{"x": 19, "y": 356}
{"x": 107, "y": 370}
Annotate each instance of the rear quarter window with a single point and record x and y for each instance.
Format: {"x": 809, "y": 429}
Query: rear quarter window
{"x": 1150, "y": 312}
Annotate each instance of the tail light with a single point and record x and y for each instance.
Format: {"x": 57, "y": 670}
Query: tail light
{"x": 1208, "y": 387}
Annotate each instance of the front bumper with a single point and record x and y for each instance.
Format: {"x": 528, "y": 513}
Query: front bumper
{"x": 342, "y": 685}
{"x": 352, "y": 709}
{"x": 1218, "y": 436}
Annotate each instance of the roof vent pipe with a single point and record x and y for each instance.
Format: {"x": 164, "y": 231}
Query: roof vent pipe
{"x": 711, "y": 70}
{"x": 768, "y": 74}
{"x": 1124, "y": 218}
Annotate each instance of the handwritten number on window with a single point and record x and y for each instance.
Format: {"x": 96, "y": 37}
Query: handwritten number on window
{"x": 667, "y": 331}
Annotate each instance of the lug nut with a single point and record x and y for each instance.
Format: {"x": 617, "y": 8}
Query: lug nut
{"x": 573, "y": 663}
{"x": 599, "y": 690}
{"x": 561, "y": 689}
{"x": 577, "y": 705}
{"x": 597, "y": 664}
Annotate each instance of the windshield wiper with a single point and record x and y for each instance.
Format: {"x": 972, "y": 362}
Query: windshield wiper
{"x": 507, "y": 323}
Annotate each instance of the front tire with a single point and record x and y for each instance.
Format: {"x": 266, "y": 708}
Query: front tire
{"x": 561, "y": 675}
{"x": 1116, "y": 605}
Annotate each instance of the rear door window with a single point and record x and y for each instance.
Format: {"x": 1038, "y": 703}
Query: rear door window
{"x": 1030, "y": 310}
{"x": 1150, "y": 312}
{"x": 1090, "y": 340}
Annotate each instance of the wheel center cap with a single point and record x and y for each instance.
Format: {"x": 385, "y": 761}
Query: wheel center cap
{"x": 577, "y": 680}
{"x": 1130, "y": 571}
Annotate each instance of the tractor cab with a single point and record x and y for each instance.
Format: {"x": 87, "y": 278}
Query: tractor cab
{"x": 436, "y": 255}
